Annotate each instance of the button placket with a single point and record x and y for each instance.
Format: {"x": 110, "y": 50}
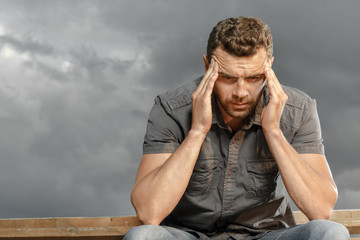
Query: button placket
{"x": 229, "y": 181}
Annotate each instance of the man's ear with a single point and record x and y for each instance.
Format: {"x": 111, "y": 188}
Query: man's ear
{"x": 206, "y": 62}
{"x": 272, "y": 61}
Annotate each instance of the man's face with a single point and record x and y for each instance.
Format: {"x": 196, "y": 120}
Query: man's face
{"x": 240, "y": 82}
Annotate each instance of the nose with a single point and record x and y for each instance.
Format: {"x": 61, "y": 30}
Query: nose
{"x": 240, "y": 89}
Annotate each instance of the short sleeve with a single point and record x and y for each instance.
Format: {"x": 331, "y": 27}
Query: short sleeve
{"x": 162, "y": 133}
{"x": 308, "y": 138}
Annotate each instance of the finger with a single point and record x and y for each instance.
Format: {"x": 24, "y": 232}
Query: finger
{"x": 276, "y": 91}
{"x": 209, "y": 84}
{"x": 269, "y": 78}
{"x": 205, "y": 77}
{"x": 273, "y": 83}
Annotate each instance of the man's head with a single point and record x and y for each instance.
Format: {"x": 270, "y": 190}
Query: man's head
{"x": 242, "y": 47}
{"x": 241, "y": 36}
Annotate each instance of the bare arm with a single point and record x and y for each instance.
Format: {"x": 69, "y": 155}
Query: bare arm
{"x": 162, "y": 178}
{"x": 307, "y": 177}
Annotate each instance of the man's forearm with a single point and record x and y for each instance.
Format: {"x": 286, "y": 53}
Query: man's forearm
{"x": 315, "y": 194}
{"x": 158, "y": 191}
{"x": 157, "y": 194}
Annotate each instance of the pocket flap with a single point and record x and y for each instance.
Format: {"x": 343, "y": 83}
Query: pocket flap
{"x": 262, "y": 165}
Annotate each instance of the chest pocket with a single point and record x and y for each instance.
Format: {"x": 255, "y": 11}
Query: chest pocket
{"x": 262, "y": 176}
{"x": 203, "y": 177}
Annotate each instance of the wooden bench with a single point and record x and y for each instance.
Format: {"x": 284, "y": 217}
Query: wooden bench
{"x": 106, "y": 228}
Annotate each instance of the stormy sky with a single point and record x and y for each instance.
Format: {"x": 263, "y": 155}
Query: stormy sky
{"x": 78, "y": 79}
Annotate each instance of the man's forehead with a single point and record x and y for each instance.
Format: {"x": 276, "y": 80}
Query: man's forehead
{"x": 248, "y": 65}
{"x": 233, "y": 69}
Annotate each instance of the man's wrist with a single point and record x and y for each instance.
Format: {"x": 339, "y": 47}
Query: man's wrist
{"x": 197, "y": 134}
{"x": 272, "y": 132}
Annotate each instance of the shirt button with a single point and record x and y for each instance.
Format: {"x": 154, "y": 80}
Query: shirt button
{"x": 229, "y": 173}
{"x": 227, "y": 208}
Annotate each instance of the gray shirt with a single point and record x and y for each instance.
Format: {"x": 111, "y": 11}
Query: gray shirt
{"x": 235, "y": 188}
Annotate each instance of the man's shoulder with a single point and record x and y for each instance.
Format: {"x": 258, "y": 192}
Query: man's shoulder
{"x": 297, "y": 107}
{"x": 180, "y": 96}
{"x": 177, "y": 104}
{"x": 296, "y": 97}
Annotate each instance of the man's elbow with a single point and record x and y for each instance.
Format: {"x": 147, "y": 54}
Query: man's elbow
{"x": 146, "y": 214}
{"x": 322, "y": 215}
{"x": 148, "y": 219}
{"x": 325, "y": 210}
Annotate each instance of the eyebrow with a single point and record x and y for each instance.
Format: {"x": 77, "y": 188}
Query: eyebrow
{"x": 256, "y": 75}
{"x": 225, "y": 74}
{"x": 251, "y": 76}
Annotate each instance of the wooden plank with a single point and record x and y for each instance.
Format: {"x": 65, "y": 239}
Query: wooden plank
{"x": 111, "y": 228}
{"x": 67, "y": 227}
{"x": 342, "y": 215}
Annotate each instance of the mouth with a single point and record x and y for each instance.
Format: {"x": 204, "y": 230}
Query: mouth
{"x": 239, "y": 106}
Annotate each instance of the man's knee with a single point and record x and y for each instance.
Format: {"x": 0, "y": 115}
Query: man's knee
{"x": 146, "y": 232}
{"x": 327, "y": 230}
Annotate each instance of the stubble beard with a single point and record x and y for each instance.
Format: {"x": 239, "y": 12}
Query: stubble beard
{"x": 238, "y": 113}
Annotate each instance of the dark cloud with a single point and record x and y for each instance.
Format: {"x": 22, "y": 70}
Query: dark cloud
{"x": 79, "y": 78}
{"x": 28, "y": 45}
{"x": 175, "y": 61}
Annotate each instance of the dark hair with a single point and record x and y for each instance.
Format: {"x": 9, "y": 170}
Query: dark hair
{"x": 241, "y": 36}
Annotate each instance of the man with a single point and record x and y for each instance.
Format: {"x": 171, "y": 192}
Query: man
{"x": 220, "y": 152}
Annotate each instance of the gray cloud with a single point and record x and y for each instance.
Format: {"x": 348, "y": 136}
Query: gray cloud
{"x": 78, "y": 81}
{"x": 27, "y": 45}
{"x": 348, "y": 185}
{"x": 68, "y": 138}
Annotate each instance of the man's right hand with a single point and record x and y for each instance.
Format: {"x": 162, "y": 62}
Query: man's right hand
{"x": 201, "y": 100}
